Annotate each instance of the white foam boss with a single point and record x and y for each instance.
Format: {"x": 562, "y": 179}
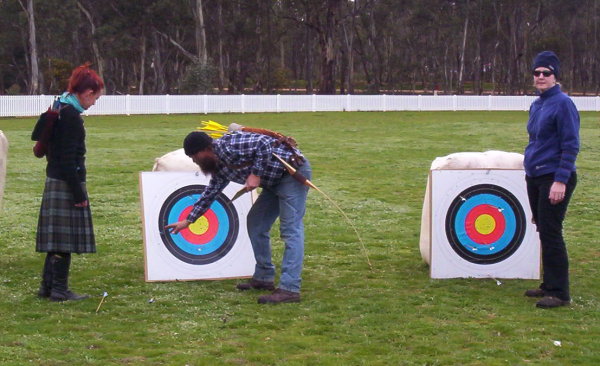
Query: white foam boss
{"x": 216, "y": 246}
{"x": 481, "y": 225}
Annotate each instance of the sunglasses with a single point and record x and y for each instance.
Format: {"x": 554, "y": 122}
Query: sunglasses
{"x": 545, "y": 73}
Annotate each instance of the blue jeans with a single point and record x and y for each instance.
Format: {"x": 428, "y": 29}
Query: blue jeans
{"x": 549, "y": 221}
{"x": 286, "y": 200}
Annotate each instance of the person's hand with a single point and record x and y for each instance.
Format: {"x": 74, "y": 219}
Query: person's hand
{"x": 557, "y": 192}
{"x": 252, "y": 182}
{"x": 177, "y": 227}
{"x": 82, "y": 204}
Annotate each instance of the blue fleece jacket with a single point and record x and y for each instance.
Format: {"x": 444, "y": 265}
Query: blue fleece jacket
{"x": 553, "y": 129}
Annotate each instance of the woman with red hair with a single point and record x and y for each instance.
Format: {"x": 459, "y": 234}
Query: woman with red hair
{"x": 65, "y": 221}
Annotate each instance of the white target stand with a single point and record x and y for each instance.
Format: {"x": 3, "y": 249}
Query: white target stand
{"x": 216, "y": 246}
{"x": 481, "y": 225}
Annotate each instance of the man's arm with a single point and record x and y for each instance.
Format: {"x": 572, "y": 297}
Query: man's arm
{"x": 209, "y": 195}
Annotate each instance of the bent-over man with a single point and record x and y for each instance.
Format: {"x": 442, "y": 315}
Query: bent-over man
{"x": 247, "y": 158}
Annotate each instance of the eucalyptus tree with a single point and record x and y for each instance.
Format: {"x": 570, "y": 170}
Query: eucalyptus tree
{"x": 328, "y": 46}
{"x": 33, "y": 61}
{"x": 323, "y": 19}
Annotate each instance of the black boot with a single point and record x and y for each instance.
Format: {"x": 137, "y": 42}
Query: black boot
{"x": 46, "y": 284}
{"x": 60, "y": 279}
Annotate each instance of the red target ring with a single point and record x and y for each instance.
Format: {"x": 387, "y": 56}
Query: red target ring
{"x": 485, "y": 224}
{"x": 203, "y": 230}
{"x": 208, "y": 239}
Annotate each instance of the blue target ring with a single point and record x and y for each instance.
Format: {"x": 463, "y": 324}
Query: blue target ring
{"x": 208, "y": 247}
{"x": 500, "y": 208}
{"x": 501, "y": 205}
{"x": 220, "y": 227}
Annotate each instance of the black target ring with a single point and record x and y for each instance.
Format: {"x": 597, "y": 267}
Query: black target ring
{"x": 210, "y": 238}
{"x": 466, "y": 228}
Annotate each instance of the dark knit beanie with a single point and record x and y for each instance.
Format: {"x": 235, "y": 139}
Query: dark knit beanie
{"x": 547, "y": 59}
{"x": 196, "y": 141}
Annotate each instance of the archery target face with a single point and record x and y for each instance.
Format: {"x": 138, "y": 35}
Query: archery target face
{"x": 215, "y": 246}
{"x": 481, "y": 225}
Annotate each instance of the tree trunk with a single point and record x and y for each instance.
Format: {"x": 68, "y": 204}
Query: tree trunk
{"x": 221, "y": 81}
{"x": 376, "y": 59}
{"x": 269, "y": 52}
{"x": 362, "y": 53}
{"x": 462, "y": 51}
{"x": 447, "y": 73}
{"x": 142, "y": 64}
{"x": 478, "y": 63}
{"x": 515, "y": 24}
{"x": 34, "y": 70}
{"x": 157, "y": 66}
{"x": 496, "y": 47}
{"x": 327, "y": 42}
{"x": 309, "y": 60}
{"x": 200, "y": 34}
{"x": 95, "y": 49}
{"x": 348, "y": 69}
{"x": 281, "y": 54}
{"x": 260, "y": 60}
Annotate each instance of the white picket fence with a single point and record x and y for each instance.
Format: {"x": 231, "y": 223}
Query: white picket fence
{"x": 27, "y": 105}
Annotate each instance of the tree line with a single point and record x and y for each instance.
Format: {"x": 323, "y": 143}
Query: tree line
{"x": 297, "y": 46}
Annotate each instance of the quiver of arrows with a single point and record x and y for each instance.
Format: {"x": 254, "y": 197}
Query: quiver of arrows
{"x": 217, "y": 130}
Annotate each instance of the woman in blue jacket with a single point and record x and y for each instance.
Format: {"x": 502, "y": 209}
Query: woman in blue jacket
{"x": 553, "y": 129}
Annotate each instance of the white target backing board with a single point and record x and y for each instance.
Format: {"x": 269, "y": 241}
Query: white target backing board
{"x": 216, "y": 246}
{"x": 481, "y": 225}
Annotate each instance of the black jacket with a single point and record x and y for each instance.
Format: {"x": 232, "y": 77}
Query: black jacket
{"x": 66, "y": 151}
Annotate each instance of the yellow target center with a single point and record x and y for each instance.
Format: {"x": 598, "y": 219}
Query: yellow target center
{"x": 200, "y": 226}
{"x": 485, "y": 224}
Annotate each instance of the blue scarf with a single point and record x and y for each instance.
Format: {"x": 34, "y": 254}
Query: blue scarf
{"x": 71, "y": 99}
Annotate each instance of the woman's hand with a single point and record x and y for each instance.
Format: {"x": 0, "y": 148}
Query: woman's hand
{"x": 557, "y": 192}
{"x": 82, "y": 204}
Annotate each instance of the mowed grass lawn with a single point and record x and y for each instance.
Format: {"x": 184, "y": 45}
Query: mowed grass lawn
{"x": 375, "y": 166}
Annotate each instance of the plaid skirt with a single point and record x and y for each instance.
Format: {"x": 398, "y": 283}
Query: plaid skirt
{"x": 63, "y": 227}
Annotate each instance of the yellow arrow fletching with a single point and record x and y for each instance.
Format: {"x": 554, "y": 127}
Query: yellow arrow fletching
{"x": 213, "y": 126}
{"x": 213, "y": 129}
{"x": 208, "y": 128}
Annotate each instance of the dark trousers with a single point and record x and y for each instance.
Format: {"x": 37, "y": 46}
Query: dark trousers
{"x": 549, "y": 220}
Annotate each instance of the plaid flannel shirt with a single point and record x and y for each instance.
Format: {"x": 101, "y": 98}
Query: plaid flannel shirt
{"x": 241, "y": 154}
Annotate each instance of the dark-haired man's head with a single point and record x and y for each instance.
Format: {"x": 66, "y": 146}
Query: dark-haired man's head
{"x": 198, "y": 146}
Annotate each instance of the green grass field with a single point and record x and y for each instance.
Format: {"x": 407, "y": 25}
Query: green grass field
{"x": 375, "y": 166}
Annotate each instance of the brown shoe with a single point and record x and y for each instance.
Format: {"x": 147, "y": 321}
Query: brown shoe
{"x": 537, "y": 292}
{"x": 279, "y": 296}
{"x": 551, "y": 302}
{"x": 256, "y": 284}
